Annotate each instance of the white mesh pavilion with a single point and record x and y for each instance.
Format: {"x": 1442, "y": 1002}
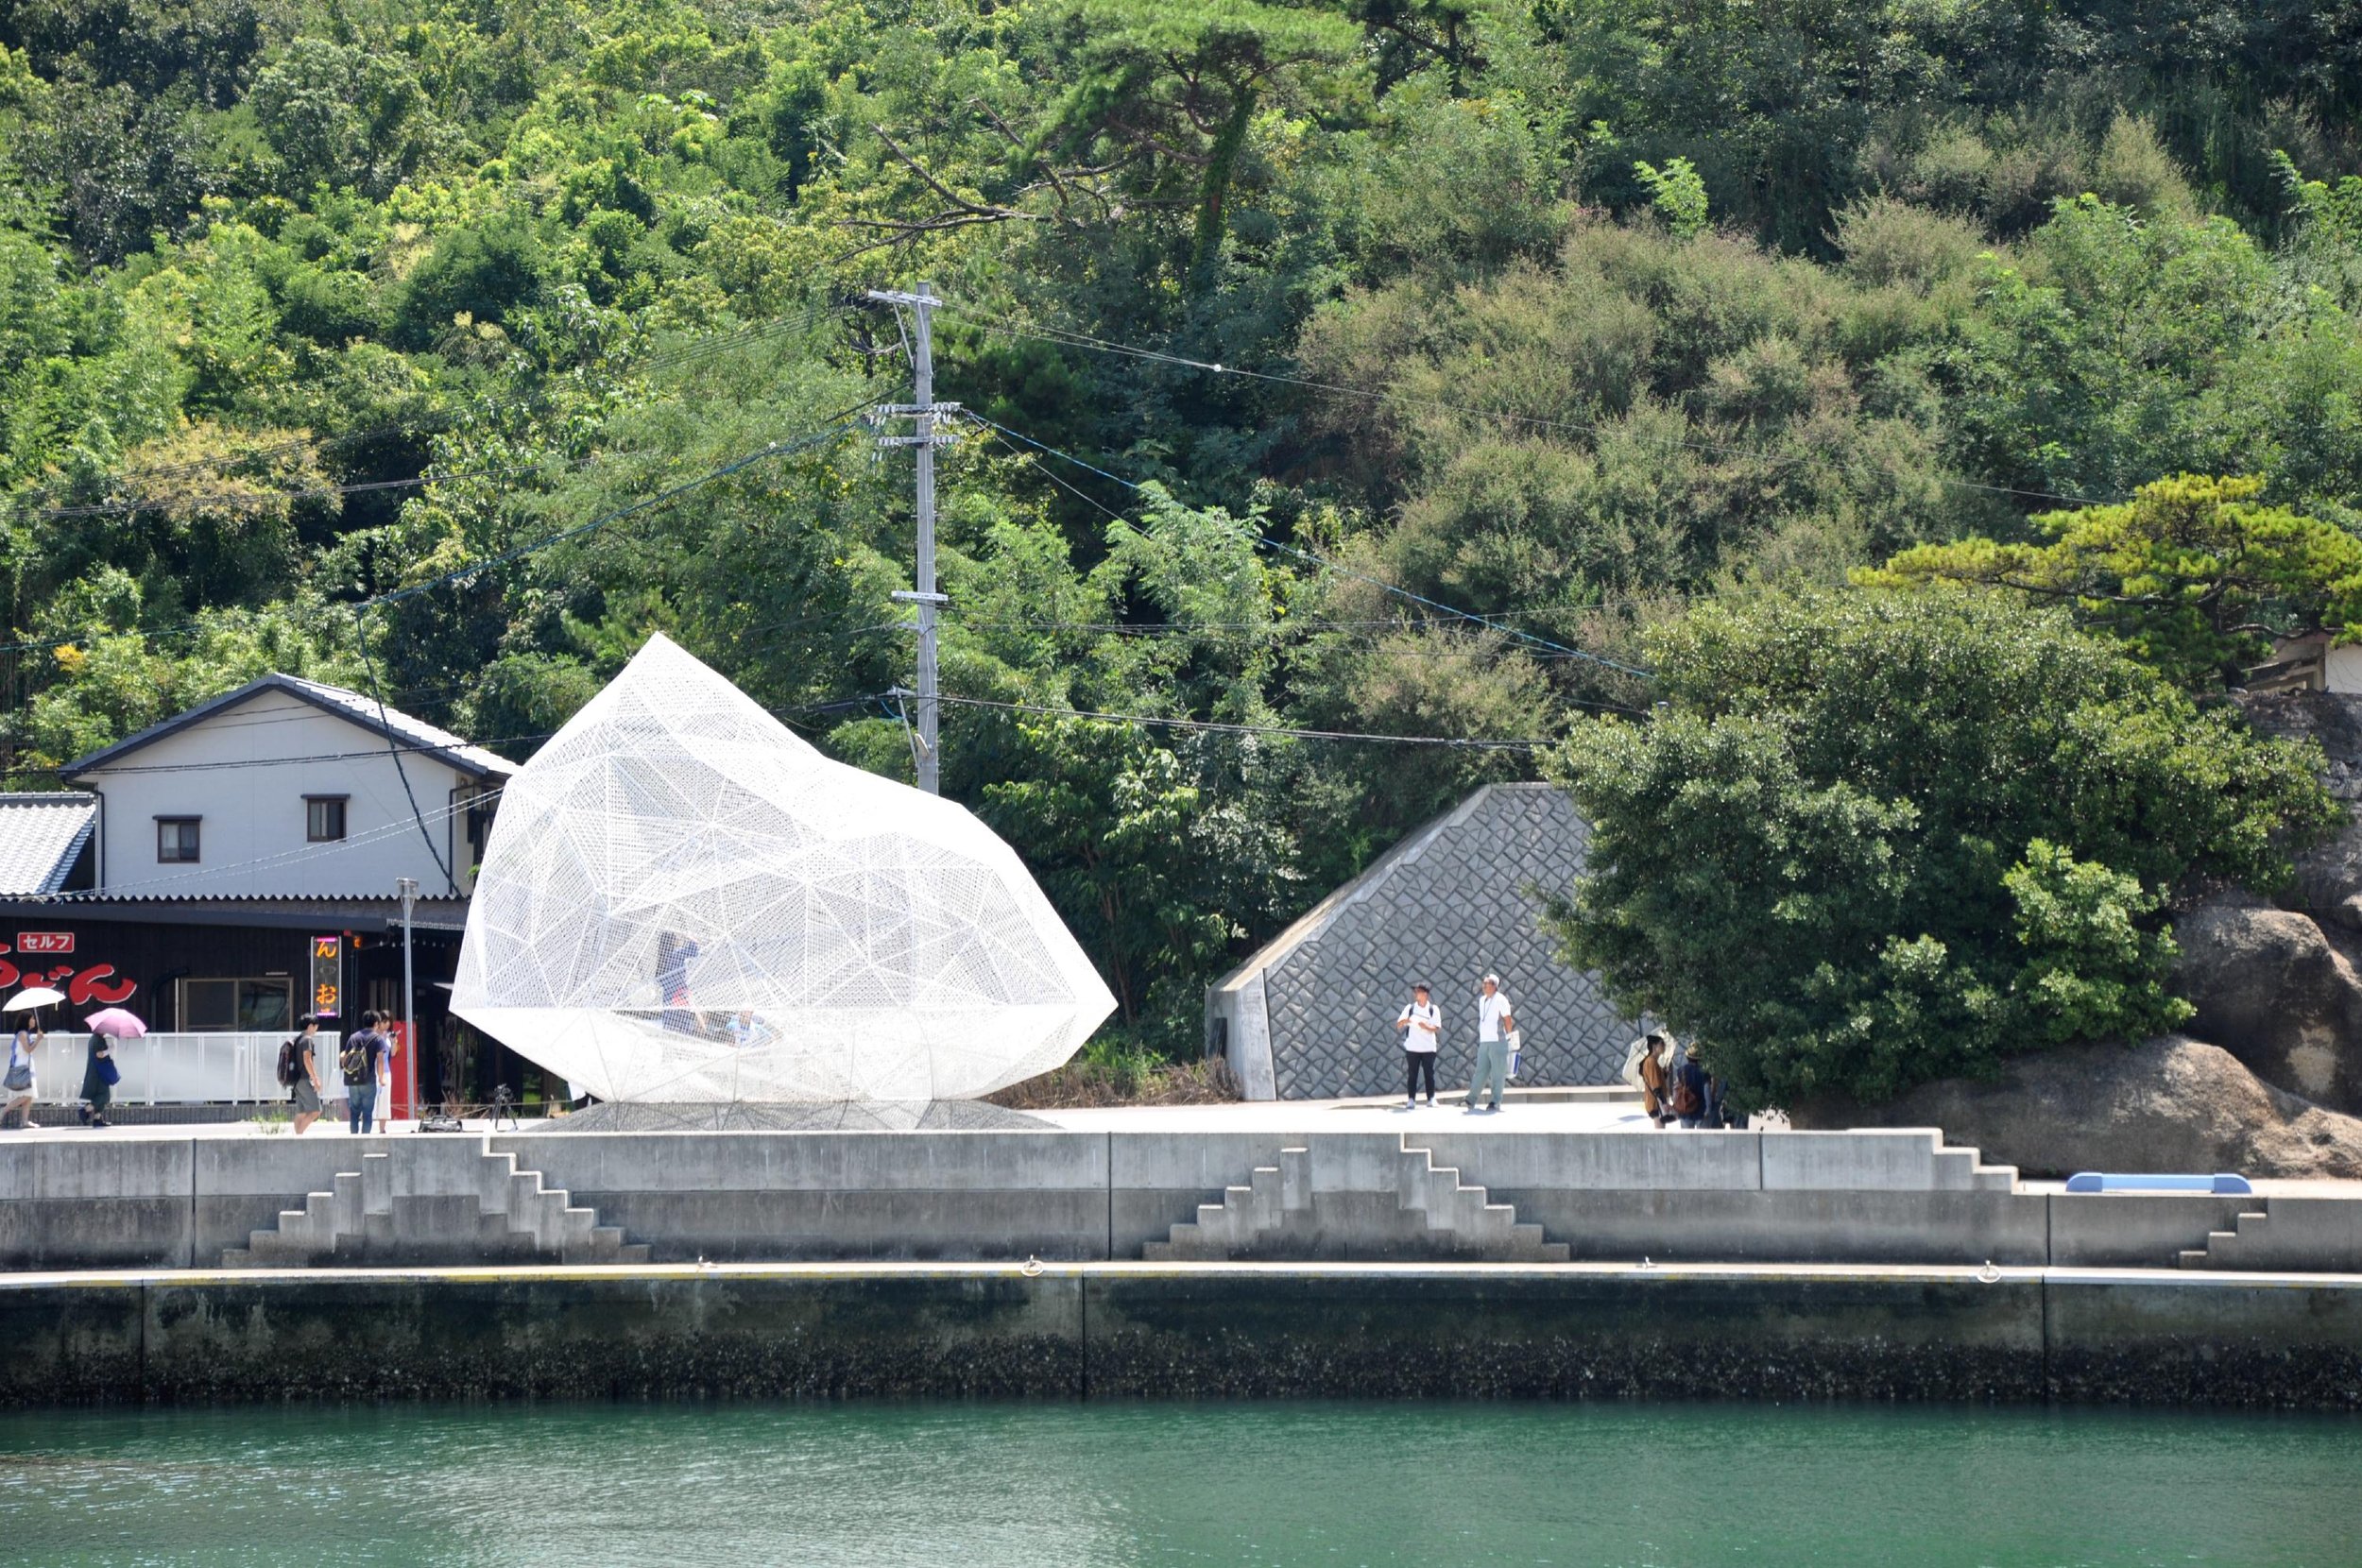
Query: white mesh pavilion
{"x": 682, "y": 902}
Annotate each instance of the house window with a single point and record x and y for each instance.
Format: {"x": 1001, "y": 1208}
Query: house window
{"x": 176, "y": 839}
{"x": 323, "y": 818}
{"x": 251, "y": 1005}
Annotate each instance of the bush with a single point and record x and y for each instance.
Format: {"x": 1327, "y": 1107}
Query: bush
{"x": 483, "y": 272}
{"x": 1874, "y": 839}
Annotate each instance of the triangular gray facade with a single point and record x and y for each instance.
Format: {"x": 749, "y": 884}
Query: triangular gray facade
{"x": 1311, "y": 1014}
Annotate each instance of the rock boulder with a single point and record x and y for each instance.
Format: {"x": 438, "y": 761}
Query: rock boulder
{"x": 2170, "y": 1104}
{"x": 2270, "y": 989}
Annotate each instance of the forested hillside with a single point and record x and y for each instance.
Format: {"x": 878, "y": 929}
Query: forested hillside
{"x": 1293, "y": 331}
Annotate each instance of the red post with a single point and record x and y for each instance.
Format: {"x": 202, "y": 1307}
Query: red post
{"x": 405, "y": 1074}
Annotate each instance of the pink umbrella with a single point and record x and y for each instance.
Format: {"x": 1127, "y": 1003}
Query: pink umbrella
{"x": 115, "y": 1022}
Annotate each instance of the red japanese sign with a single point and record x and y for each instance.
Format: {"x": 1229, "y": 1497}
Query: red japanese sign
{"x": 45, "y": 941}
{"x": 97, "y": 983}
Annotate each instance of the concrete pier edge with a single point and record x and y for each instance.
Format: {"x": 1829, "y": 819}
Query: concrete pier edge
{"x": 1134, "y": 1330}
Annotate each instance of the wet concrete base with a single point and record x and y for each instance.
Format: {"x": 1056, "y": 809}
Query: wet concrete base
{"x": 1122, "y": 1331}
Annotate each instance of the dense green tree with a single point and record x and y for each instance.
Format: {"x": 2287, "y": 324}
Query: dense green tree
{"x": 301, "y": 303}
{"x": 2194, "y": 576}
{"x": 1874, "y": 839}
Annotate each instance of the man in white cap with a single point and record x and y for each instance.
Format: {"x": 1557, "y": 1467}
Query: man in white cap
{"x": 1495, "y": 1024}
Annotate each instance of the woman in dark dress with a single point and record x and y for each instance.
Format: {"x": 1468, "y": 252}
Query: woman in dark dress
{"x": 98, "y": 1092}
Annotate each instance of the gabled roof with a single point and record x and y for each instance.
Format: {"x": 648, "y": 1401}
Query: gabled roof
{"x": 40, "y": 837}
{"x": 352, "y": 707}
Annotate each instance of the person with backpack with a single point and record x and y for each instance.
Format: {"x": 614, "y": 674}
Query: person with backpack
{"x": 302, "y": 1062}
{"x": 1647, "y": 1068}
{"x": 1689, "y": 1091}
{"x": 357, "y": 1065}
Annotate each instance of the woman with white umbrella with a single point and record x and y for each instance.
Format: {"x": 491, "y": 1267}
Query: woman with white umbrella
{"x": 18, "y": 1084}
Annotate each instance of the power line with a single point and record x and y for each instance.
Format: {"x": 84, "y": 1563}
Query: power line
{"x": 1519, "y": 634}
{"x": 284, "y": 857}
{"x": 1216, "y": 727}
{"x": 1067, "y": 338}
{"x": 833, "y": 427}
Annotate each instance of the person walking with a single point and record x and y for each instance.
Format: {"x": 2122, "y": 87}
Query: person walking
{"x": 1495, "y": 1024}
{"x": 312, "y": 1066}
{"x": 99, "y": 1075}
{"x": 18, "y": 1084}
{"x": 1422, "y": 1028}
{"x": 358, "y": 1066}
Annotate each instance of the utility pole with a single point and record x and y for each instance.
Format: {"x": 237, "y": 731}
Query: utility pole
{"x": 922, "y": 414}
{"x": 408, "y": 887}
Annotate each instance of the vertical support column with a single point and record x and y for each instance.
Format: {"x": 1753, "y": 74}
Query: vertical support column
{"x": 923, "y": 373}
{"x": 925, "y": 758}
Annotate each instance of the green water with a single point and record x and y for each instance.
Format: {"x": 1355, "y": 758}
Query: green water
{"x": 984, "y": 1486}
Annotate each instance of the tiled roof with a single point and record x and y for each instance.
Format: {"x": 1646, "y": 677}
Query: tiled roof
{"x": 325, "y": 914}
{"x": 355, "y": 707}
{"x": 40, "y": 836}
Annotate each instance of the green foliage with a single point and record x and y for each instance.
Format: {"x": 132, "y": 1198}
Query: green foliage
{"x": 1677, "y": 194}
{"x": 2193, "y": 576}
{"x": 2090, "y": 972}
{"x": 1877, "y": 838}
{"x": 300, "y": 302}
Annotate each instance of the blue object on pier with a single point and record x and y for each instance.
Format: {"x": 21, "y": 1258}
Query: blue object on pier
{"x": 2221, "y": 1184}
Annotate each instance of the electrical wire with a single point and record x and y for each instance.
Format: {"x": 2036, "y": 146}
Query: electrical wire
{"x": 1067, "y": 338}
{"x": 1217, "y": 726}
{"x": 361, "y": 629}
{"x": 1515, "y": 633}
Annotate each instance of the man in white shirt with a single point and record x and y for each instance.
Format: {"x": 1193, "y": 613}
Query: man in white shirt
{"x": 1495, "y": 1024}
{"x": 1422, "y": 1028}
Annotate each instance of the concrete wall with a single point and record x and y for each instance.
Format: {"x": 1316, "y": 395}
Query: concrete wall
{"x": 1888, "y": 1197}
{"x": 111, "y": 1203}
{"x": 838, "y": 1195}
{"x": 1116, "y": 1331}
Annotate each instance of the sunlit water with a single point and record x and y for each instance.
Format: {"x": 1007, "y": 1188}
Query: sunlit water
{"x": 983, "y": 1486}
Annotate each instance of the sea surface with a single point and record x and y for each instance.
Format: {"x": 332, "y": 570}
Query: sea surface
{"x": 1015, "y": 1486}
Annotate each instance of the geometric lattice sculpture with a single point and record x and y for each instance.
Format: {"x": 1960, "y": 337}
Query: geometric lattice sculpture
{"x": 683, "y": 902}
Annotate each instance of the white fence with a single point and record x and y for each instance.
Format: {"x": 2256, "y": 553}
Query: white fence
{"x": 168, "y": 1070}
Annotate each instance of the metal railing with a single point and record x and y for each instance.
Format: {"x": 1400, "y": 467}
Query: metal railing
{"x": 170, "y": 1069}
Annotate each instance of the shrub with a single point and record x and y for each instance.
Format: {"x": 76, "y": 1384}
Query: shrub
{"x": 1874, "y": 838}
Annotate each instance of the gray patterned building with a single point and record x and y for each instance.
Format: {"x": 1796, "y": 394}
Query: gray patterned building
{"x": 1311, "y": 1016}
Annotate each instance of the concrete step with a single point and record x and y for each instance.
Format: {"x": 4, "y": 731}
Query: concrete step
{"x": 1295, "y": 1180}
{"x": 377, "y": 1184}
{"x": 2237, "y": 1248}
{"x": 513, "y": 1214}
{"x": 1277, "y": 1215}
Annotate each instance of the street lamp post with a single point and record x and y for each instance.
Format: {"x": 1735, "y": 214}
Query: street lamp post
{"x": 408, "y": 886}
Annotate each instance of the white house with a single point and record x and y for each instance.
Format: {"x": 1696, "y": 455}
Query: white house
{"x": 288, "y": 788}
{"x": 227, "y": 871}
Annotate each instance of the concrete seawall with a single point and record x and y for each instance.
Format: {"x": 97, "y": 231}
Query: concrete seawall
{"x": 1118, "y": 1331}
{"x": 162, "y": 1201}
